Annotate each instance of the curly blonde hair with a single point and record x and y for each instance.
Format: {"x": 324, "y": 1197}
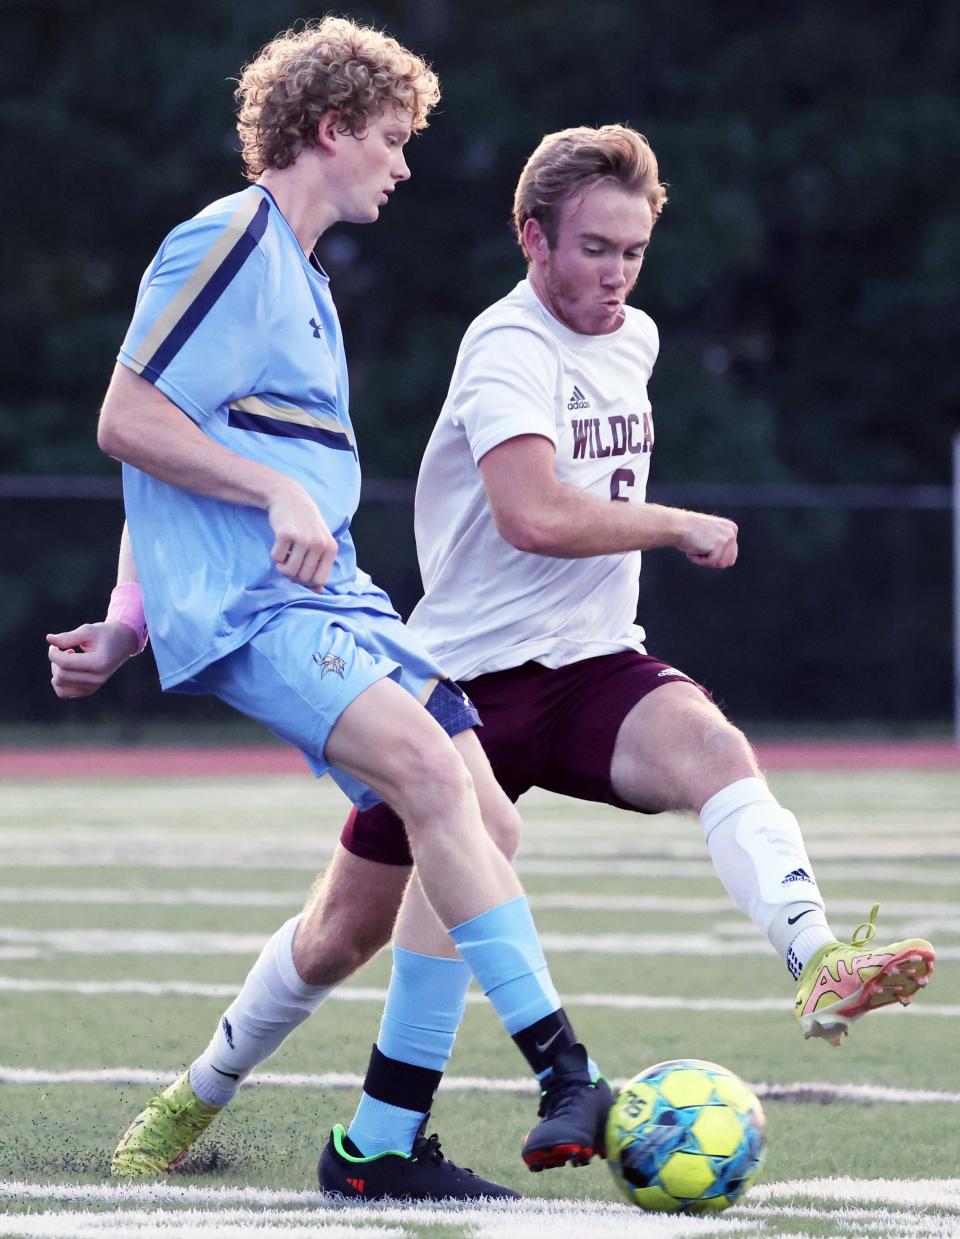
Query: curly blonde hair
{"x": 568, "y": 162}
{"x": 331, "y": 63}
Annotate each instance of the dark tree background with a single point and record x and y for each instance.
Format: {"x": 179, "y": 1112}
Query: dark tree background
{"x": 804, "y": 278}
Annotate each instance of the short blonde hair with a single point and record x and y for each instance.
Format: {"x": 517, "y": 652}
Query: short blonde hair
{"x": 568, "y": 162}
{"x": 331, "y": 63}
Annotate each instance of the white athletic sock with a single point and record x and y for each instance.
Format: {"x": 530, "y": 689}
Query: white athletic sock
{"x": 274, "y": 1000}
{"x": 758, "y": 853}
{"x": 805, "y": 945}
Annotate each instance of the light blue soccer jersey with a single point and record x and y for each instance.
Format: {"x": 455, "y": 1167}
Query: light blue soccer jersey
{"x": 238, "y": 328}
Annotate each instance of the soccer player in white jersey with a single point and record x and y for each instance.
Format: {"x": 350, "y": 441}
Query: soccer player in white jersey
{"x": 531, "y": 520}
{"x": 229, "y": 409}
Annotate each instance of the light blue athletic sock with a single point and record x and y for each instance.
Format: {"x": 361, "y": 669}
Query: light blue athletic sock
{"x": 425, "y": 1004}
{"x": 504, "y": 953}
{"x": 377, "y": 1127}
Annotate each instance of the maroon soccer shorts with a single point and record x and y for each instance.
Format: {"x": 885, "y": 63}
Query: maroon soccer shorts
{"x": 542, "y": 727}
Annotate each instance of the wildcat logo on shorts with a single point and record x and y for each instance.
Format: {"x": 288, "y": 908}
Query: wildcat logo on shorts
{"x": 330, "y": 662}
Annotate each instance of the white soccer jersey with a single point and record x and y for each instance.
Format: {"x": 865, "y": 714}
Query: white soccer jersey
{"x": 486, "y": 605}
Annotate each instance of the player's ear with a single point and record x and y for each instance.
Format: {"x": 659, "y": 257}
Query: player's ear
{"x": 327, "y": 130}
{"x": 535, "y": 240}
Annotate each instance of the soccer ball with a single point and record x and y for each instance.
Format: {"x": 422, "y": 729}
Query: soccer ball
{"x": 685, "y": 1137}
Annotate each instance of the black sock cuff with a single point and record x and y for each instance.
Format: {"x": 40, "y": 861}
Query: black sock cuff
{"x": 540, "y": 1043}
{"x": 401, "y": 1084}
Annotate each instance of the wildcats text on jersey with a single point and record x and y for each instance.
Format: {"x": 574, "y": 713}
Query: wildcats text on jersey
{"x": 623, "y": 435}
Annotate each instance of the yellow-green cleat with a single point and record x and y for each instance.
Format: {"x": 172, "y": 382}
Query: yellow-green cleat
{"x": 159, "y": 1138}
{"x": 844, "y": 981}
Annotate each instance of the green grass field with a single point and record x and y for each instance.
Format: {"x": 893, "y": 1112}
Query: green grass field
{"x": 130, "y": 912}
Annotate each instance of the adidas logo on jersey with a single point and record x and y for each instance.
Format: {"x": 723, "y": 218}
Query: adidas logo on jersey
{"x": 577, "y": 400}
{"x": 671, "y": 671}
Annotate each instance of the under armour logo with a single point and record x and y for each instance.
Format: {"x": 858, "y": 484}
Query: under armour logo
{"x": 317, "y": 329}
{"x": 330, "y": 662}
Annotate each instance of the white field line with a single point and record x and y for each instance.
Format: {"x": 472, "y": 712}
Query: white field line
{"x": 804, "y": 1093}
{"x": 852, "y": 1223}
{"x": 194, "y": 896}
{"x": 933, "y": 875}
{"x": 936, "y": 819}
{"x": 269, "y": 1223}
{"x": 147, "y": 846}
{"x": 196, "y": 857}
{"x": 286, "y": 1212}
{"x": 357, "y": 993}
{"x": 191, "y": 1224}
{"x": 233, "y": 851}
{"x": 913, "y": 1193}
{"x": 601, "y": 843}
{"x": 577, "y": 902}
{"x": 855, "y": 1223}
{"x": 574, "y": 901}
{"x": 546, "y": 1216}
{"x": 122, "y": 1224}
{"x": 169, "y": 942}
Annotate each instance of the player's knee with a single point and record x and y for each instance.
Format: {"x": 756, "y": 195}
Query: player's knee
{"x": 503, "y": 827}
{"x": 434, "y": 782}
{"x": 725, "y": 750}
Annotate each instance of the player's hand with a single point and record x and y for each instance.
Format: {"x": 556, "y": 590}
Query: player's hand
{"x": 710, "y": 541}
{"x": 84, "y": 659}
{"x": 304, "y": 549}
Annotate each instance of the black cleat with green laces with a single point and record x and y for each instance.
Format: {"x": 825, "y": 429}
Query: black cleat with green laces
{"x": 422, "y": 1174}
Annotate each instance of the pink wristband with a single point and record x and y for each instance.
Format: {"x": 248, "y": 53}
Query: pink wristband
{"x": 126, "y": 607}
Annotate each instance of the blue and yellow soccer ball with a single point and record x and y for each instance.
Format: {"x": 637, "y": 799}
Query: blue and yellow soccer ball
{"x": 685, "y": 1137}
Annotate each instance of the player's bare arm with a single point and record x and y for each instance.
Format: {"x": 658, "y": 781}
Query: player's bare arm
{"x": 140, "y": 426}
{"x": 538, "y": 513}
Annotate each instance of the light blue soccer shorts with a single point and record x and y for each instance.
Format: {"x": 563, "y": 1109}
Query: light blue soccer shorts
{"x": 304, "y": 667}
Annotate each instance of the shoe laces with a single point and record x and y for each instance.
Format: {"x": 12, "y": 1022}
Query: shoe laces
{"x": 178, "y": 1114}
{"x": 868, "y": 930}
{"x": 428, "y": 1149}
{"x": 559, "y": 1092}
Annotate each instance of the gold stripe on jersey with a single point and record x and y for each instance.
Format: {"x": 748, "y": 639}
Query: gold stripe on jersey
{"x": 168, "y": 318}
{"x": 290, "y": 413}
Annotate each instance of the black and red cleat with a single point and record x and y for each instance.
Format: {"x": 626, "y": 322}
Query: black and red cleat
{"x": 573, "y": 1113}
{"x": 423, "y": 1174}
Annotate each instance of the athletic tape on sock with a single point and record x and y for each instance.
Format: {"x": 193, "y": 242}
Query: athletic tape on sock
{"x": 504, "y": 953}
{"x": 401, "y": 1084}
{"x": 426, "y": 999}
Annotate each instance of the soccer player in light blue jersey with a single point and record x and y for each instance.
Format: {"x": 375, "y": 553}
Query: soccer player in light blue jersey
{"x": 229, "y": 410}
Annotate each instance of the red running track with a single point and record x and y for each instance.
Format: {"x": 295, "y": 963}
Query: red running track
{"x": 257, "y": 760}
